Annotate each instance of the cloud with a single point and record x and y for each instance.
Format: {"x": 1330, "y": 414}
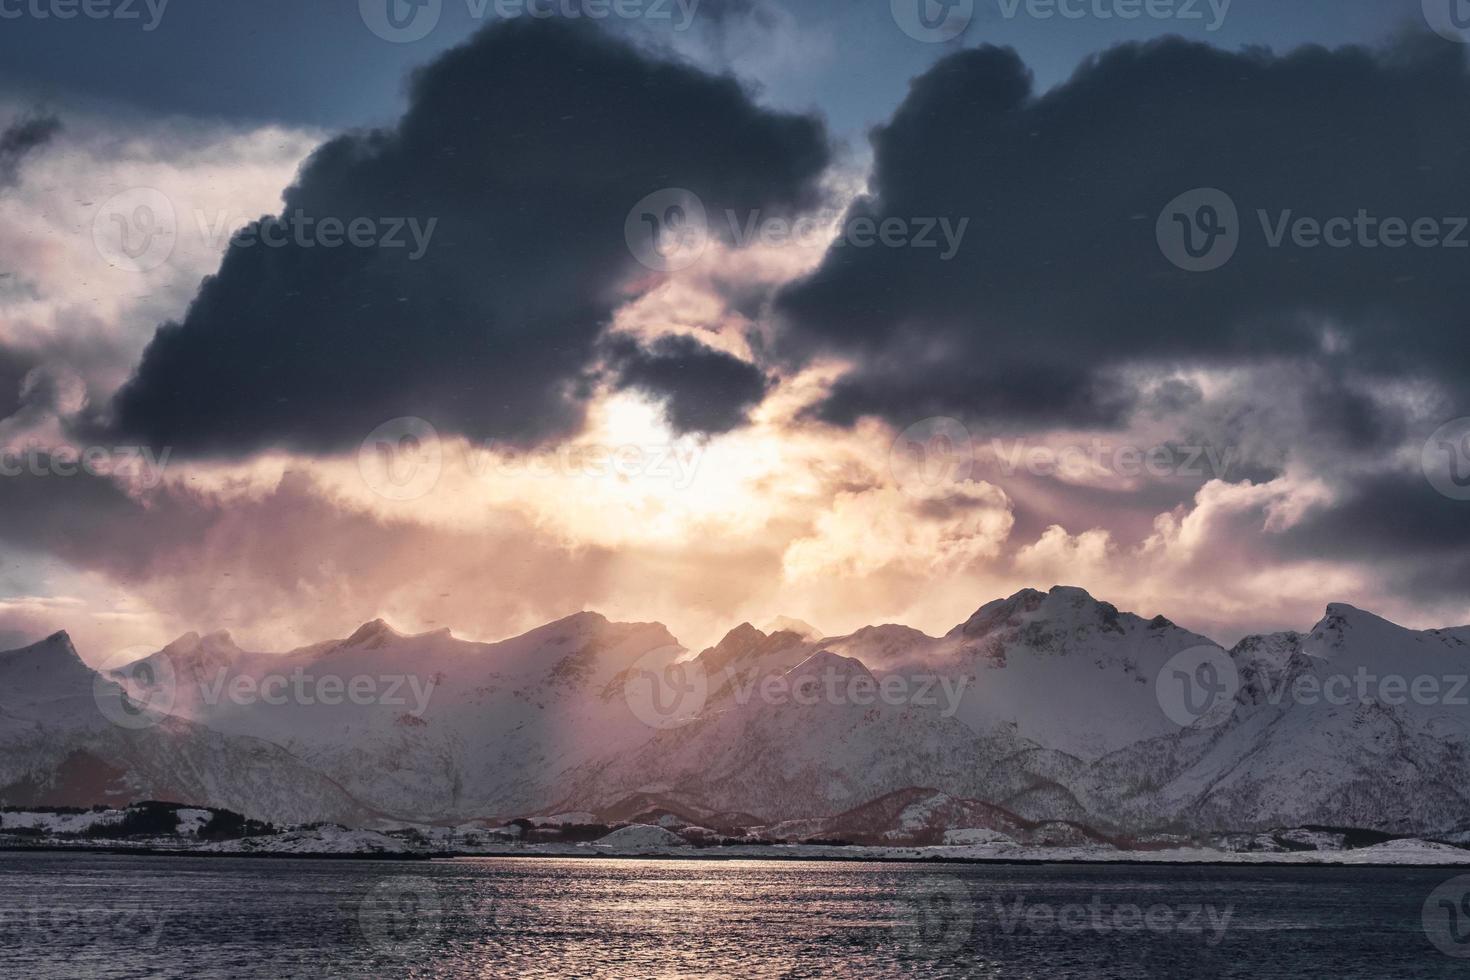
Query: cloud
{"x": 19, "y": 140}
{"x": 1385, "y": 516}
{"x": 529, "y": 171}
{"x": 882, "y": 530}
{"x": 14, "y": 366}
{"x": 66, "y": 303}
{"x": 703, "y": 389}
{"x": 1060, "y": 288}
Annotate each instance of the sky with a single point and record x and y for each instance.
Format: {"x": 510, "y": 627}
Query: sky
{"x": 480, "y": 314}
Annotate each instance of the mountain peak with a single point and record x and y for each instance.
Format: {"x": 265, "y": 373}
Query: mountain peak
{"x": 58, "y": 644}
{"x": 789, "y": 624}
{"x": 1000, "y": 612}
{"x": 1342, "y": 619}
{"x": 585, "y": 620}
{"x": 742, "y": 635}
{"x": 219, "y": 642}
{"x": 50, "y": 668}
{"x": 742, "y": 642}
{"x": 1071, "y": 592}
{"x": 374, "y": 633}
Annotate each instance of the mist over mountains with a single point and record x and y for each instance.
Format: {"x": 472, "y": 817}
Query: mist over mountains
{"x": 1045, "y": 716}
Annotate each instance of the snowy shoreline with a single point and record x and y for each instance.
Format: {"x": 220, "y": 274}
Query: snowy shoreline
{"x": 1419, "y": 855}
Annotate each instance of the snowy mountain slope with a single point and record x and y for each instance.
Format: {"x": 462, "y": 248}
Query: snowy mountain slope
{"x": 1069, "y": 672}
{"x": 63, "y": 747}
{"x": 1042, "y": 706}
{"x": 430, "y": 726}
{"x": 800, "y": 753}
{"x": 1358, "y": 723}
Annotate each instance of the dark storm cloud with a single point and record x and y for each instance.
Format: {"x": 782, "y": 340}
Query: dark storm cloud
{"x": 55, "y": 507}
{"x": 529, "y": 146}
{"x": 19, "y": 140}
{"x": 1415, "y": 540}
{"x": 703, "y": 389}
{"x": 1389, "y": 516}
{"x": 14, "y": 366}
{"x": 1061, "y": 280}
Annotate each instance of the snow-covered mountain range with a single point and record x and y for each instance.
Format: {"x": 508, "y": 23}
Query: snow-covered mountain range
{"x": 1046, "y": 716}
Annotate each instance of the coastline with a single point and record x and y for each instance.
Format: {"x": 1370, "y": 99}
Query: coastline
{"x": 842, "y": 855}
